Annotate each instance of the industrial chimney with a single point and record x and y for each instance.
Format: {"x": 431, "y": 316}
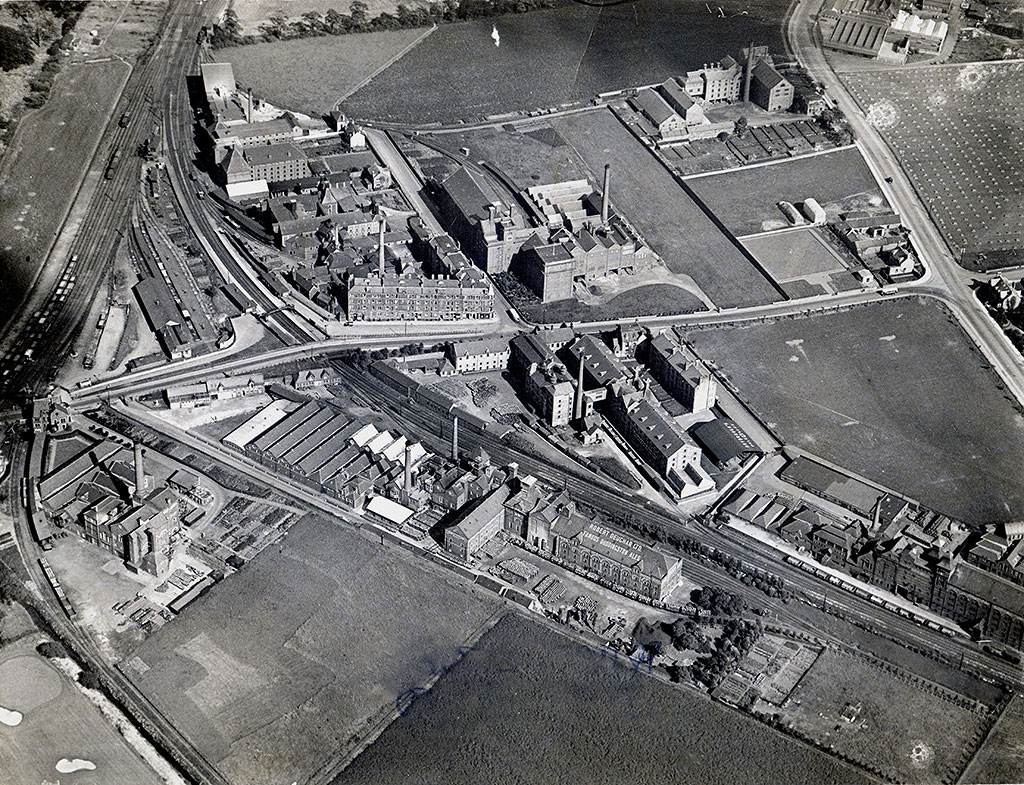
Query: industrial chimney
{"x": 578, "y": 409}
{"x": 140, "y": 471}
{"x": 248, "y": 105}
{"x": 455, "y": 438}
{"x": 604, "y": 195}
{"x": 408, "y": 469}
{"x": 747, "y": 70}
{"x": 380, "y": 244}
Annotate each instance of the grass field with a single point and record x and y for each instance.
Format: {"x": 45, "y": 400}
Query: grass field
{"x": 527, "y": 705}
{"x": 910, "y": 734}
{"x": 52, "y": 149}
{"x": 1001, "y": 757}
{"x": 59, "y": 722}
{"x": 273, "y": 671}
{"x": 746, "y": 200}
{"x": 650, "y": 300}
{"x": 956, "y": 130}
{"x": 669, "y": 220}
{"x": 894, "y": 391}
{"x": 564, "y": 54}
{"x": 340, "y": 63}
{"x": 789, "y": 256}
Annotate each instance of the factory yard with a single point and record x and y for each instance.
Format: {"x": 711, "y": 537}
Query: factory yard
{"x": 568, "y": 714}
{"x": 956, "y": 131}
{"x": 47, "y": 725}
{"x": 281, "y": 666}
{"x": 668, "y": 219}
{"x": 908, "y": 731}
{"x": 565, "y": 54}
{"x": 746, "y": 200}
{"x": 893, "y": 391}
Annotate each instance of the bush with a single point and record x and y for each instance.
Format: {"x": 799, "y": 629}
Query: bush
{"x": 90, "y": 680}
{"x": 15, "y": 48}
{"x": 51, "y": 650}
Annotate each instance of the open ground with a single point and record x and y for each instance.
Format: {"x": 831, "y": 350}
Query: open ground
{"x": 801, "y": 255}
{"x": 903, "y": 729}
{"x": 52, "y": 149}
{"x": 746, "y": 200}
{"x": 546, "y": 58}
{"x": 895, "y": 392}
{"x": 58, "y": 723}
{"x": 529, "y": 705}
{"x": 999, "y": 759}
{"x": 277, "y": 668}
{"x": 956, "y": 131}
{"x": 670, "y": 221}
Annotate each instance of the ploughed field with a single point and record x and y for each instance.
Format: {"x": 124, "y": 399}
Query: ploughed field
{"x": 275, "y": 671}
{"x": 957, "y": 130}
{"x": 529, "y": 705}
{"x": 895, "y": 392}
{"x": 545, "y": 58}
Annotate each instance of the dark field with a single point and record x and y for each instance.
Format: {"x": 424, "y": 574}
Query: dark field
{"x": 529, "y": 706}
{"x": 565, "y": 54}
{"x": 893, "y": 391}
{"x": 272, "y": 672}
{"x": 669, "y": 220}
{"x": 746, "y": 200}
{"x": 957, "y": 131}
{"x": 1000, "y": 757}
{"x": 650, "y": 300}
{"x": 40, "y": 173}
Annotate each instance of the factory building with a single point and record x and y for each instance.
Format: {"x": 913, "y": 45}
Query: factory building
{"x": 542, "y": 380}
{"x": 681, "y": 373}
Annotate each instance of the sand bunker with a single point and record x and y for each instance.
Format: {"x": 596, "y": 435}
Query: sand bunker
{"x": 10, "y": 718}
{"x": 65, "y": 766}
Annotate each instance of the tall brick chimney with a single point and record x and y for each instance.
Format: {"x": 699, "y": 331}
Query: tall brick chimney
{"x": 578, "y": 408}
{"x": 604, "y": 195}
{"x": 746, "y": 73}
{"x": 248, "y": 105}
{"x": 140, "y": 471}
{"x": 380, "y": 244}
{"x": 455, "y": 438}
{"x": 408, "y": 468}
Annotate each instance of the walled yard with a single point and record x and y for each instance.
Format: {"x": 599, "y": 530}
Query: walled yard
{"x": 670, "y": 221}
{"x": 893, "y": 391}
{"x": 529, "y": 705}
{"x": 801, "y": 256}
{"x": 746, "y": 200}
{"x": 956, "y": 130}
{"x": 910, "y": 732}
{"x": 57, "y": 727}
{"x": 568, "y": 53}
{"x": 999, "y": 759}
{"x": 277, "y": 669}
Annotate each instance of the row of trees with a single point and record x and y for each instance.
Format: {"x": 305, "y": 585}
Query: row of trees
{"x": 279, "y": 26}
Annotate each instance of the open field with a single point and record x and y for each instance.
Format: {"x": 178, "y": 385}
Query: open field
{"x": 895, "y": 391}
{"x": 746, "y": 200}
{"x": 340, "y": 63}
{"x": 251, "y": 13}
{"x": 669, "y": 220}
{"x": 649, "y": 300}
{"x": 908, "y": 732}
{"x": 797, "y": 255}
{"x": 956, "y": 130}
{"x": 564, "y": 54}
{"x": 51, "y": 151}
{"x": 1000, "y": 757}
{"x": 58, "y": 723}
{"x": 528, "y": 705}
{"x": 275, "y": 669}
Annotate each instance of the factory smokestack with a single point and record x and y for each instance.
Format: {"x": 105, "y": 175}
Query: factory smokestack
{"x": 380, "y": 244}
{"x": 408, "y": 469}
{"x": 604, "y": 195}
{"x": 248, "y": 105}
{"x": 746, "y": 73}
{"x": 578, "y": 409}
{"x": 455, "y": 438}
{"x": 140, "y": 471}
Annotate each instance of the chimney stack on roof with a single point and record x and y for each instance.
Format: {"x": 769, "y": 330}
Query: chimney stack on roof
{"x": 604, "y": 195}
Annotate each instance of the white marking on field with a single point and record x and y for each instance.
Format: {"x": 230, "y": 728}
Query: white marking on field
{"x": 883, "y": 114}
{"x": 495, "y": 35}
{"x": 851, "y": 422}
{"x": 65, "y": 766}
{"x": 10, "y": 718}
{"x": 887, "y": 338}
{"x": 794, "y": 359}
{"x": 972, "y": 76}
{"x": 921, "y": 755}
{"x": 795, "y": 342}
{"x": 51, "y": 149}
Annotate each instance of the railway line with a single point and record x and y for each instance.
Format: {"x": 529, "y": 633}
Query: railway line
{"x": 42, "y": 334}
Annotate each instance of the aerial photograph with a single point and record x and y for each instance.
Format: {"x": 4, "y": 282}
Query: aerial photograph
{"x": 511, "y": 392}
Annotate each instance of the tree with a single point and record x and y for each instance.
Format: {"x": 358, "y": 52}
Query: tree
{"x": 230, "y": 25}
{"x": 276, "y": 25}
{"x": 336, "y": 22}
{"x": 359, "y": 12}
{"x": 313, "y": 23}
{"x": 15, "y": 48}
{"x": 741, "y": 126}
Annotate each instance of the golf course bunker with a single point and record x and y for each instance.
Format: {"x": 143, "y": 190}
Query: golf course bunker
{"x": 65, "y": 766}
{"x": 10, "y": 718}
{"x": 27, "y": 683}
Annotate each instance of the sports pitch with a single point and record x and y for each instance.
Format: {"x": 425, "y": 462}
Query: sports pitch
{"x": 796, "y": 255}
{"x": 956, "y": 130}
{"x": 275, "y": 670}
{"x": 893, "y": 391}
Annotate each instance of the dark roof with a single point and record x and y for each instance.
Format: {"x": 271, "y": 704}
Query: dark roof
{"x": 829, "y": 483}
{"x": 766, "y": 75}
{"x": 988, "y": 587}
{"x": 724, "y": 440}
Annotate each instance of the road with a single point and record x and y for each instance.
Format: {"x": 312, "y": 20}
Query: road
{"x": 945, "y": 277}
